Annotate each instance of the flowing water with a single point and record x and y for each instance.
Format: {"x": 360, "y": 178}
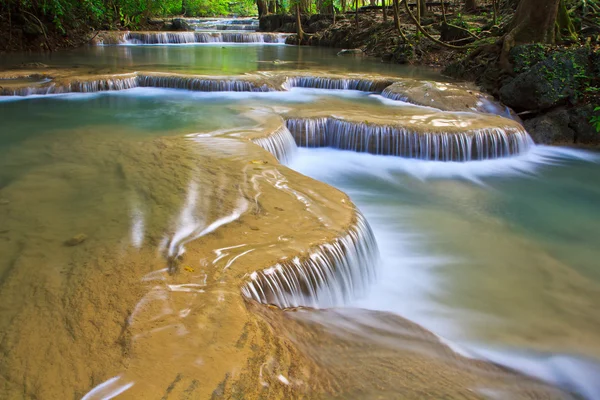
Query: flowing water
{"x": 144, "y": 226}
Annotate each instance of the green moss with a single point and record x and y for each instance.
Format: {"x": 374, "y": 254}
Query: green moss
{"x": 526, "y": 56}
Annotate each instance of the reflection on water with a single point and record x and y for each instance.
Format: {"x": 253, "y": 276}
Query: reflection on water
{"x": 217, "y": 59}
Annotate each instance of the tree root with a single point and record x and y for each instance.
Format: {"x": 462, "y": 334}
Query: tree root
{"x": 427, "y": 35}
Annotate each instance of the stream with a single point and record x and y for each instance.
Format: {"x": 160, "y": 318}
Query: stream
{"x": 104, "y": 194}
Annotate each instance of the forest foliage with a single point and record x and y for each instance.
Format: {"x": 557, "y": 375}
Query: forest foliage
{"x": 66, "y": 15}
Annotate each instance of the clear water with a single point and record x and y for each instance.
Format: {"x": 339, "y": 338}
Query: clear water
{"x": 215, "y": 59}
{"x": 498, "y": 257}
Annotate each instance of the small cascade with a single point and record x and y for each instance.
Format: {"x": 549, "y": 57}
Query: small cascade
{"x": 279, "y": 143}
{"x": 201, "y": 37}
{"x": 98, "y": 85}
{"x": 308, "y": 132}
{"x": 478, "y": 144}
{"x": 223, "y": 24}
{"x": 236, "y": 27}
{"x": 330, "y": 275}
{"x": 392, "y": 94}
{"x": 200, "y": 84}
{"x": 316, "y": 82}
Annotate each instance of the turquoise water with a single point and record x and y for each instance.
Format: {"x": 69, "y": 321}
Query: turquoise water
{"x": 219, "y": 59}
{"x": 498, "y": 257}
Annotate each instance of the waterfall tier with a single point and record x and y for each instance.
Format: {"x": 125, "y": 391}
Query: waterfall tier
{"x": 338, "y": 83}
{"x": 423, "y": 142}
{"x": 444, "y": 96}
{"x": 201, "y": 84}
{"x": 280, "y": 143}
{"x": 328, "y": 275}
{"x": 201, "y": 37}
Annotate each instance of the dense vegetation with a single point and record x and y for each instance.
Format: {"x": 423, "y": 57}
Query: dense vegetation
{"x": 66, "y": 22}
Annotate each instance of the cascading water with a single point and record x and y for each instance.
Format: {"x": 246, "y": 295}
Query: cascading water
{"x": 308, "y": 132}
{"x": 280, "y": 143}
{"x": 201, "y": 37}
{"x": 365, "y": 85}
{"x": 200, "y": 84}
{"x": 98, "y": 85}
{"x": 331, "y": 274}
{"x": 478, "y": 144}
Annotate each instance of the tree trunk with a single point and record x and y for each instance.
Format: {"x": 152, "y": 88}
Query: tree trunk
{"x": 422, "y": 9}
{"x": 470, "y": 5}
{"x": 271, "y": 8}
{"x": 534, "y": 22}
{"x": 356, "y": 13}
{"x": 396, "y": 16}
{"x": 418, "y": 16}
{"x": 384, "y": 10}
{"x": 564, "y": 25}
{"x": 299, "y": 30}
{"x": 261, "y": 5}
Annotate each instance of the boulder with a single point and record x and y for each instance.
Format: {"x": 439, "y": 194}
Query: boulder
{"x": 550, "y": 128}
{"x": 179, "y": 24}
{"x": 595, "y": 60}
{"x": 564, "y": 126}
{"x": 548, "y": 83}
{"x": 526, "y": 56}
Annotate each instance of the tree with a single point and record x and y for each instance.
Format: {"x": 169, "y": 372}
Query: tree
{"x": 534, "y": 22}
{"x": 299, "y": 30}
{"x": 470, "y": 5}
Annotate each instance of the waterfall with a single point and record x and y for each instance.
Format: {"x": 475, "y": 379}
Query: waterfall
{"x": 202, "y": 37}
{"x": 279, "y": 143}
{"x": 308, "y": 132}
{"x": 200, "y": 84}
{"x": 97, "y": 85}
{"x": 331, "y": 274}
{"x": 365, "y": 85}
{"x": 478, "y": 144}
{"x": 390, "y": 93}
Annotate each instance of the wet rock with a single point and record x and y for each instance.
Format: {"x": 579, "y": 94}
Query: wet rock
{"x": 555, "y": 80}
{"x": 275, "y": 22}
{"x": 579, "y": 121}
{"x": 564, "y": 126}
{"x": 350, "y": 52}
{"x": 179, "y": 24}
{"x": 550, "y": 128}
{"x": 76, "y": 240}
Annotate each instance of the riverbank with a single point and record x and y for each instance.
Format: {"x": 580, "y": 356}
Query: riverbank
{"x": 553, "y": 89}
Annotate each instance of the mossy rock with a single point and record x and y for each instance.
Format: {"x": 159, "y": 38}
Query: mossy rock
{"x": 526, "y": 56}
{"x": 559, "y": 78}
{"x": 595, "y": 60}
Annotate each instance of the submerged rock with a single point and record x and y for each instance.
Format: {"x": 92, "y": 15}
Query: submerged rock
{"x": 76, "y": 240}
{"x": 350, "y": 52}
